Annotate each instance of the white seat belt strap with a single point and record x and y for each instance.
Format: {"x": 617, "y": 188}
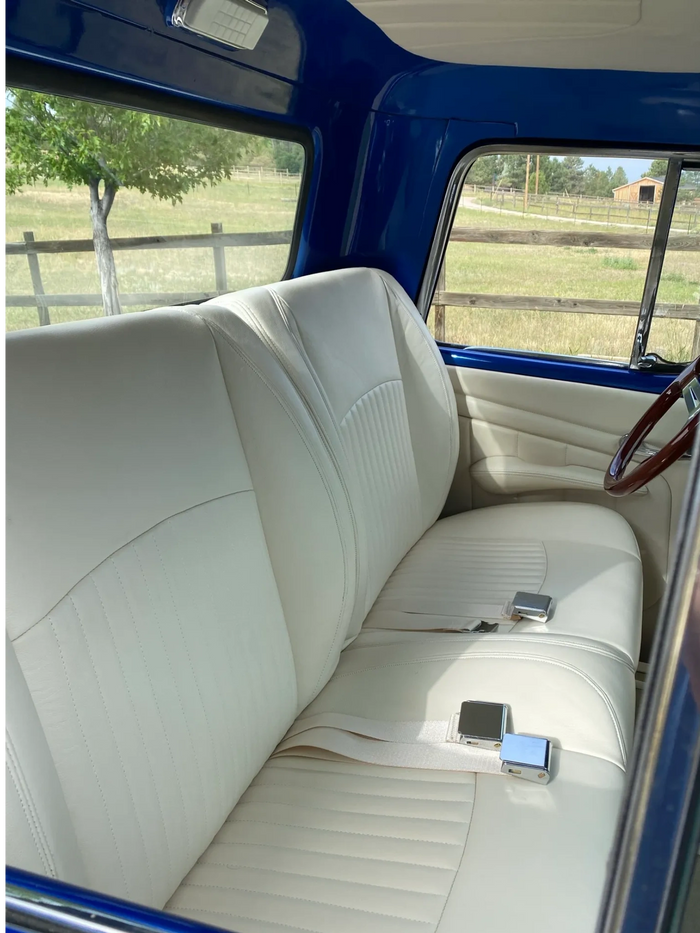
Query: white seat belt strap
{"x": 470, "y": 618}
{"x": 420, "y": 745}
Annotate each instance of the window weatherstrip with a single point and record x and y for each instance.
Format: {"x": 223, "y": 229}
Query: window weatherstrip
{"x": 445, "y": 223}
{"x": 639, "y": 359}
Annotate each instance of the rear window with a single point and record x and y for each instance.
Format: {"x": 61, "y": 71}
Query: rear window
{"x": 111, "y": 210}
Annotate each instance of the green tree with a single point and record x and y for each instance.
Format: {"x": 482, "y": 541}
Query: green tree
{"x": 557, "y": 176}
{"x": 573, "y": 170}
{"x": 49, "y": 138}
{"x": 287, "y": 156}
{"x": 514, "y": 170}
{"x": 486, "y": 171}
{"x": 619, "y": 177}
{"x": 657, "y": 169}
{"x": 689, "y": 187}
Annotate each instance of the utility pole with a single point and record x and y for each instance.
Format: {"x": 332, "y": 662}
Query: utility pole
{"x": 537, "y": 174}
{"x": 527, "y": 183}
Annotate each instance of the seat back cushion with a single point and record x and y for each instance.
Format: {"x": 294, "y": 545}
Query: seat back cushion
{"x": 143, "y": 609}
{"x": 365, "y": 362}
{"x": 304, "y": 505}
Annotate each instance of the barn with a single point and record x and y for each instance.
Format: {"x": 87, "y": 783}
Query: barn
{"x": 645, "y": 190}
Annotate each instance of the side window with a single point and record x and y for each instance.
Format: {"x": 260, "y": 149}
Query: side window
{"x": 111, "y": 210}
{"x": 550, "y": 254}
{"x": 675, "y": 327}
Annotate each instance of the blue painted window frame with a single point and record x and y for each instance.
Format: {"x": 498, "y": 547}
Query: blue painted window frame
{"x": 561, "y": 368}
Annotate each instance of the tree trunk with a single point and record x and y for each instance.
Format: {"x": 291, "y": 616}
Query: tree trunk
{"x": 99, "y": 211}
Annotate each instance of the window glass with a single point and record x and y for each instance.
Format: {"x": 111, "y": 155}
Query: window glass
{"x": 675, "y": 327}
{"x": 178, "y": 211}
{"x": 549, "y": 254}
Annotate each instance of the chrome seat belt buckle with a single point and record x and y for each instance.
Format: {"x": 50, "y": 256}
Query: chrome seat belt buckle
{"x": 526, "y": 757}
{"x": 536, "y": 607}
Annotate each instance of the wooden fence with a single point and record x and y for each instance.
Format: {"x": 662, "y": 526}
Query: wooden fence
{"x": 577, "y": 207}
{"x": 218, "y": 241}
{"x": 444, "y": 299}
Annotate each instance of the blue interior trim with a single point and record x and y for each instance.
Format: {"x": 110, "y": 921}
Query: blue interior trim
{"x": 156, "y": 920}
{"x": 563, "y": 370}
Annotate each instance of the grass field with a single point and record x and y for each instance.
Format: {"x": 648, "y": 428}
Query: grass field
{"x": 563, "y": 272}
{"x": 54, "y": 213}
{"x": 242, "y": 206}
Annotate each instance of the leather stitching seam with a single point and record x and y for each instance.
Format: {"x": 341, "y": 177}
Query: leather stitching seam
{"x": 227, "y": 913}
{"x": 121, "y": 547}
{"x": 346, "y": 832}
{"x": 294, "y": 897}
{"x": 29, "y": 808}
{"x": 90, "y": 758}
{"x": 360, "y": 793}
{"x": 298, "y": 874}
{"x": 112, "y": 732}
{"x": 343, "y": 855}
{"x": 137, "y": 720}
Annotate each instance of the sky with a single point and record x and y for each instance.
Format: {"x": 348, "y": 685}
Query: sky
{"x": 634, "y": 168}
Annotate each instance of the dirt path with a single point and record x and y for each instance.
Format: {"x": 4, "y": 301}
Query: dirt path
{"x": 474, "y": 205}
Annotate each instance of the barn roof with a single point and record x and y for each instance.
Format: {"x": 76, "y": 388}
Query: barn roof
{"x": 658, "y": 181}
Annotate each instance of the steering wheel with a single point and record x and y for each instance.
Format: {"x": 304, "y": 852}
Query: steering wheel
{"x": 686, "y": 385}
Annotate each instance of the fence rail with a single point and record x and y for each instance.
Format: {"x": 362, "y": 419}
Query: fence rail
{"x": 689, "y": 312}
{"x": 218, "y": 242}
{"x": 95, "y": 300}
{"x": 444, "y": 299}
{"x": 179, "y": 241}
{"x": 569, "y": 238}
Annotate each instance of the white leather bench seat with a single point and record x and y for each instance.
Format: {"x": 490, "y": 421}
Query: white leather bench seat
{"x": 368, "y": 369}
{"x": 584, "y": 556}
{"x": 190, "y": 563}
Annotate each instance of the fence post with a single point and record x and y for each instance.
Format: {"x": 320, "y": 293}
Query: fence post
{"x": 37, "y": 284}
{"x": 219, "y": 262}
{"x": 696, "y": 341}
{"x": 440, "y": 308}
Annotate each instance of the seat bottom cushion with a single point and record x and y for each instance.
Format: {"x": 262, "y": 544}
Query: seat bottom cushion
{"x": 337, "y": 847}
{"x": 328, "y": 845}
{"x": 584, "y": 556}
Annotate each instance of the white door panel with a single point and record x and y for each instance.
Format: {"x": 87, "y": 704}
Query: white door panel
{"x": 524, "y": 439}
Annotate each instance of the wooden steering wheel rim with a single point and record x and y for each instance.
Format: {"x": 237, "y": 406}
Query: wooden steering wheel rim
{"x": 616, "y": 482}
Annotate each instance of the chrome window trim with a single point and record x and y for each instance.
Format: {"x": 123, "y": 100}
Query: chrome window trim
{"x": 450, "y": 203}
{"x": 32, "y": 911}
{"x": 657, "y": 254}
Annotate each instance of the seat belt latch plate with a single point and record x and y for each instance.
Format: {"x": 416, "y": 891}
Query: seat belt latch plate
{"x": 536, "y": 607}
{"x": 482, "y": 724}
{"x": 526, "y": 757}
